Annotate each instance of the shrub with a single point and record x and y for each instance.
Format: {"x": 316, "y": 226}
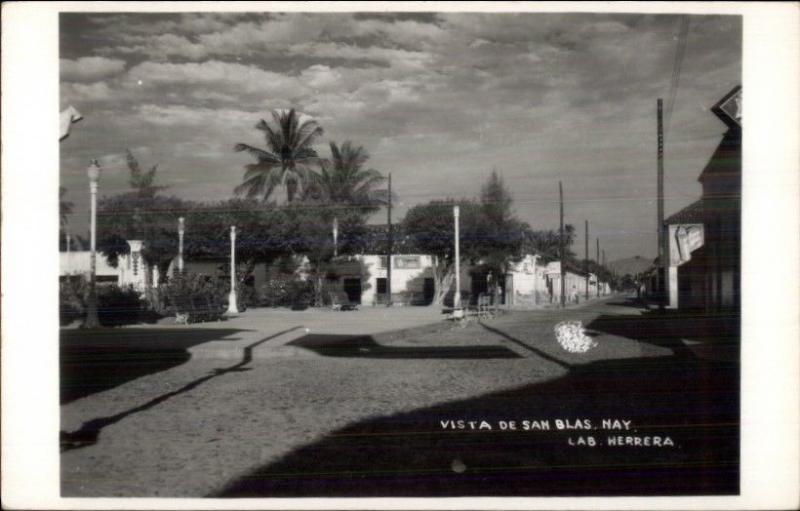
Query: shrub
{"x": 73, "y": 295}
{"x": 286, "y": 290}
{"x": 118, "y": 306}
{"x": 198, "y": 297}
{"x": 275, "y": 292}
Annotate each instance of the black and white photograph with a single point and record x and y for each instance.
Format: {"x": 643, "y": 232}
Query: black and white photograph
{"x": 399, "y": 253}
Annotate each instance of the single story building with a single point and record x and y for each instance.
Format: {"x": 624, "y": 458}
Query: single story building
{"x": 686, "y": 273}
{"x": 363, "y": 279}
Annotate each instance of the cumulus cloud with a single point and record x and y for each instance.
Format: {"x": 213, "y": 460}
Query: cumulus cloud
{"x": 179, "y": 115}
{"x": 541, "y": 96}
{"x": 76, "y": 92}
{"x": 162, "y": 46}
{"x": 88, "y": 69}
{"x": 229, "y": 76}
{"x": 393, "y": 57}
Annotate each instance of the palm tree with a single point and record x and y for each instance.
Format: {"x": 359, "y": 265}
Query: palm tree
{"x": 343, "y": 180}
{"x": 287, "y": 159}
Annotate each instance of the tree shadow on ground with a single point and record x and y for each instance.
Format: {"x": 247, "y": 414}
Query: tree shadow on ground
{"x": 93, "y": 361}
{"x": 691, "y": 401}
{"x": 89, "y": 431}
{"x": 694, "y": 403}
{"x": 365, "y": 346}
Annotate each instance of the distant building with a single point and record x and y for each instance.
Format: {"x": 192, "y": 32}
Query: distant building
{"x": 363, "y": 278}
{"x": 130, "y": 270}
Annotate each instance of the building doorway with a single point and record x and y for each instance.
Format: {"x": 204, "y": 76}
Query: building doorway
{"x": 428, "y": 291}
{"x": 352, "y": 288}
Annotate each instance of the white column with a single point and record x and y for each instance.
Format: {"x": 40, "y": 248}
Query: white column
{"x": 92, "y": 320}
{"x": 233, "y": 310}
{"x": 335, "y": 237}
{"x": 180, "y": 244}
{"x": 457, "y": 312}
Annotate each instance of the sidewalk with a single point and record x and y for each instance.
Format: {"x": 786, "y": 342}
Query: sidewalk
{"x": 264, "y": 333}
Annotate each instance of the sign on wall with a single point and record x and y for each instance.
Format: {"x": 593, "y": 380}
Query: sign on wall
{"x": 404, "y": 262}
{"x": 687, "y": 239}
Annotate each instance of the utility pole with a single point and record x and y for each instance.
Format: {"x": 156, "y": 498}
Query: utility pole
{"x": 586, "y": 258}
{"x": 457, "y": 312}
{"x": 603, "y": 265}
{"x": 561, "y": 242}
{"x": 659, "y": 269}
{"x": 389, "y": 245}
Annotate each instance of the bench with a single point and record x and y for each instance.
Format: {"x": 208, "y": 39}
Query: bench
{"x": 341, "y": 302}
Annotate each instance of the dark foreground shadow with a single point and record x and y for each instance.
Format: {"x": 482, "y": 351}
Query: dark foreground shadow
{"x": 434, "y": 451}
{"x": 89, "y": 432}
{"x": 96, "y": 360}
{"x": 365, "y": 347}
{"x": 669, "y": 329}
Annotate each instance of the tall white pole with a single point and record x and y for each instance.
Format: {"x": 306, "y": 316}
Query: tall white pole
{"x": 180, "y": 244}
{"x": 457, "y": 296}
{"x": 233, "y": 310}
{"x": 335, "y": 237}
{"x": 92, "y": 320}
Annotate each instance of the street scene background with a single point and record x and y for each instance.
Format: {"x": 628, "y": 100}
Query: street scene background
{"x": 419, "y": 254}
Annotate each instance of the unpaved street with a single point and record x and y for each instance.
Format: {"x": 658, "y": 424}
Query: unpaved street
{"x": 318, "y": 413}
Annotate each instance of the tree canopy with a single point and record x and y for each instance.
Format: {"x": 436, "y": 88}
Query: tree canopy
{"x": 143, "y": 183}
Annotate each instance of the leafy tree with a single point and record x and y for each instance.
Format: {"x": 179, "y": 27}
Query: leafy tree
{"x": 142, "y": 182}
{"x": 311, "y": 234}
{"x": 286, "y": 161}
{"x": 150, "y": 219}
{"x": 503, "y": 235}
{"x": 546, "y": 243}
{"x": 429, "y": 229}
{"x": 65, "y": 207}
{"x": 263, "y": 231}
{"x": 143, "y": 215}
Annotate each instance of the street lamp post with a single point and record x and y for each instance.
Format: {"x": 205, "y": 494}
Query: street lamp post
{"x": 233, "y": 310}
{"x": 457, "y": 312}
{"x": 335, "y": 237}
{"x": 92, "y": 320}
{"x": 180, "y": 244}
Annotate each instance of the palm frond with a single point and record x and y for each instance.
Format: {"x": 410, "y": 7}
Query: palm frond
{"x": 259, "y": 154}
{"x": 308, "y": 133}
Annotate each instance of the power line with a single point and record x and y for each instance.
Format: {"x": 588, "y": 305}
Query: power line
{"x": 677, "y": 64}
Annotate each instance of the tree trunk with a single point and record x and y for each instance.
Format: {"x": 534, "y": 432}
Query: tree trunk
{"x": 149, "y": 289}
{"x": 443, "y": 277}
{"x": 318, "y": 302}
{"x": 163, "y": 270}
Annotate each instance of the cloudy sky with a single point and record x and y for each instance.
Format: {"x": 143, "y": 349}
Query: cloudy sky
{"x": 438, "y": 100}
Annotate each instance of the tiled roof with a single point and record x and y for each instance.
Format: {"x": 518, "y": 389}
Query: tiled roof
{"x": 691, "y": 214}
